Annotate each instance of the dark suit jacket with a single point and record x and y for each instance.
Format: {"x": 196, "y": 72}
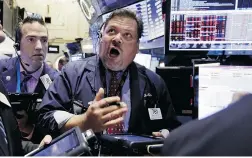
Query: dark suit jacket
{"x": 80, "y": 80}
{"x": 14, "y": 147}
{"x": 226, "y": 133}
{"x": 8, "y": 68}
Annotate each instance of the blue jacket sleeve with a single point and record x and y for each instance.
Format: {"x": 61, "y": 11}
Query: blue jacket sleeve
{"x": 58, "y": 97}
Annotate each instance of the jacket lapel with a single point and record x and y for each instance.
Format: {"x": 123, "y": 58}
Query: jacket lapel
{"x": 93, "y": 77}
{"x": 137, "y": 86}
{"x": 9, "y": 76}
{"x": 6, "y": 148}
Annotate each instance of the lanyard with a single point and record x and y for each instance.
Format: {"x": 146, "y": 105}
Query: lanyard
{"x": 103, "y": 79}
{"x": 18, "y": 76}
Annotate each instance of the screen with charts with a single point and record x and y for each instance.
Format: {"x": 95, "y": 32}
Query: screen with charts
{"x": 211, "y": 25}
{"x": 155, "y": 20}
{"x": 217, "y": 86}
{"x": 141, "y": 10}
{"x": 150, "y": 11}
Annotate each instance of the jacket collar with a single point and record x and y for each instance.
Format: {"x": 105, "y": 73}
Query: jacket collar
{"x": 9, "y": 76}
{"x": 93, "y": 76}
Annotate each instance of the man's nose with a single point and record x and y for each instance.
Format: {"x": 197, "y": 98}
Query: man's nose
{"x": 38, "y": 45}
{"x": 117, "y": 40}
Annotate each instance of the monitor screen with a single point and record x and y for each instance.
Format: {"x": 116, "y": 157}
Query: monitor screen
{"x": 217, "y": 86}
{"x": 150, "y": 11}
{"x": 196, "y": 64}
{"x": 141, "y": 10}
{"x": 178, "y": 82}
{"x": 211, "y": 25}
{"x": 60, "y": 147}
{"x": 155, "y": 19}
{"x": 109, "y": 5}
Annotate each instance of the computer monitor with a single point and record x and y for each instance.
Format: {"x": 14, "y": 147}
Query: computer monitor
{"x": 196, "y": 64}
{"x": 205, "y": 25}
{"x": 218, "y": 84}
{"x": 150, "y": 11}
{"x": 178, "y": 81}
{"x": 106, "y": 6}
{"x": 155, "y": 19}
{"x": 140, "y": 9}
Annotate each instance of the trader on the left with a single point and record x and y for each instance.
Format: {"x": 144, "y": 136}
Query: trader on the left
{"x": 10, "y": 137}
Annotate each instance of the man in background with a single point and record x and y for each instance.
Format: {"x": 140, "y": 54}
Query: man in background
{"x": 28, "y": 73}
{"x": 10, "y": 138}
{"x": 62, "y": 62}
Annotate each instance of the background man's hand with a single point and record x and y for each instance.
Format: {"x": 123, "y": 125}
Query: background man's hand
{"x": 46, "y": 140}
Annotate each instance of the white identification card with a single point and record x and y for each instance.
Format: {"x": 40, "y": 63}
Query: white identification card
{"x": 4, "y": 100}
{"x": 155, "y": 113}
{"x": 46, "y": 81}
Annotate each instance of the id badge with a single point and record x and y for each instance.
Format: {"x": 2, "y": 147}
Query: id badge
{"x": 46, "y": 80}
{"x": 155, "y": 113}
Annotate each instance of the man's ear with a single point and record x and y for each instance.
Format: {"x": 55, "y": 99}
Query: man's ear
{"x": 2, "y": 34}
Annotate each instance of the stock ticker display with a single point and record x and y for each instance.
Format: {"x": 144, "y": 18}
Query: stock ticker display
{"x": 150, "y": 11}
{"x": 211, "y": 25}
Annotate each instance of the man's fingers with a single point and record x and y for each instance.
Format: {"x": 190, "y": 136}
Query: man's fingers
{"x": 114, "y": 115}
{"x": 157, "y": 134}
{"x": 106, "y": 101}
{"x": 99, "y": 95}
{"x": 109, "y": 109}
{"x": 113, "y": 122}
{"x": 46, "y": 140}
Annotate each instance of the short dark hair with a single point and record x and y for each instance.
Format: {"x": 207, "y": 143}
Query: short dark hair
{"x": 129, "y": 14}
{"x": 29, "y": 19}
{"x": 63, "y": 61}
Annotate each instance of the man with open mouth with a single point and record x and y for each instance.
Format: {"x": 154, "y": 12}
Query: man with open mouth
{"x": 100, "y": 82}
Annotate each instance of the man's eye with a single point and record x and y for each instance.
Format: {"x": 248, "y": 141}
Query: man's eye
{"x": 44, "y": 40}
{"x": 111, "y": 30}
{"x": 31, "y": 39}
{"x": 128, "y": 35}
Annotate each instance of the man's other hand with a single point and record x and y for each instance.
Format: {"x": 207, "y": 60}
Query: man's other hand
{"x": 46, "y": 140}
{"x": 164, "y": 133}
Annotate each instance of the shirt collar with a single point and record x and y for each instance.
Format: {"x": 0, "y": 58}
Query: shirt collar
{"x": 35, "y": 74}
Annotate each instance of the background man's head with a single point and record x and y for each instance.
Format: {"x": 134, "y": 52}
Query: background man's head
{"x": 33, "y": 42}
{"x": 62, "y": 62}
{"x": 119, "y": 43}
{"x": 2, "y": 35}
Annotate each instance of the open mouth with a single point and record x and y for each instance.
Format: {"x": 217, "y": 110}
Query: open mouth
{"x": 114, "y": 53}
